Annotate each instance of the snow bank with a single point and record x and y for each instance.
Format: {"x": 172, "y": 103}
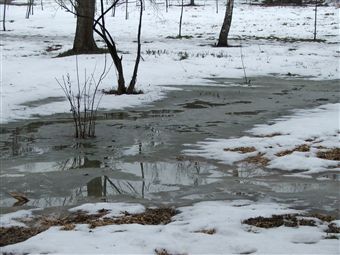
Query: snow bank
{"x": 184, "y": 235}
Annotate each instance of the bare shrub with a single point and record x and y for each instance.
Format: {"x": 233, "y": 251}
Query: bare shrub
{"x": 83, "y": 100}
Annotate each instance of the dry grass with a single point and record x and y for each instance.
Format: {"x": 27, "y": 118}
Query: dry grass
{"x": 13, "y": 235}
{"x": 332, "y": 154}
{"x": 242, "y": 150}
{"x": 207, "y": 231}
{"x": 288, "y": 220}
{"x": 300, "y": 148}
{"x": 149, "y": 217}
{"x": 322, "y": 217}
{"x": 68, "y": 227}
{"x": 259, "y": 159}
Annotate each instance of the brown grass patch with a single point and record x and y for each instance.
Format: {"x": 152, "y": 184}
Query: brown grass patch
{"x": 300, "y": 148}
{"x": 207, "y": 231}
{"x": 149, "y": 217}
{"x": 287, "y": 220}
{"x": 13, "y": 235}
{"x": 322, "y": 217}
{"x": 68, "y": 227}
{"x": 257, "y": 160}
{"x": 242, "y": 150}
{"x": 332, "y": 154}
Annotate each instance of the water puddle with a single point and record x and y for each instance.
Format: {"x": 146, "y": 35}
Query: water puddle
{"x": 136, "y": 155}
{"x": 40, "y": 102}
{"x": 199, "y": 104}
{"x": 87, "y": 180}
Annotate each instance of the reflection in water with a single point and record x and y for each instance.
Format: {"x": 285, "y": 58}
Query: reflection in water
{"x": 245, "y": 170}
{"x": 95, "y": 188}
{"x": 154, "y": 177}
{"x": 18, "y": 145}
{"x": 137, "y": 180}
{"x": 79, "y": 162}
{"x": 71, "y": 163}
{"x": 285, "y": 187}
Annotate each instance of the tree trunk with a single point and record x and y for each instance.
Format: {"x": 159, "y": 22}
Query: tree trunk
{"x": 4, "y": 16}
{"x": 121, "y": 89}
{"x": 223, "y": 39}
{"x": 180, "y": 21}
{"x": 131, "y": 87}
{"x": 83, "y": 40}
{"x": 192, "y": 3}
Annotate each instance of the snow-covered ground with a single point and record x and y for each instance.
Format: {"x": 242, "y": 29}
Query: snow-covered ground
{"x": 28, "y": 70}
{"x": 273, "y": 40}
{"x": 291, "y": 143}
{"x": 185, "y": 234}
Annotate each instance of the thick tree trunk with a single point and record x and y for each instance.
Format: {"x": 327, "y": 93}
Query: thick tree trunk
{"x": 192, "y": 3}
{"x": 83, "y": 40}
{"x": 223, "y": 39}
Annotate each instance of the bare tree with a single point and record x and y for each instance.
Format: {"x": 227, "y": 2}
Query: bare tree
{"x": 223, "y": 38}
{"x": 99, "y": 27}
{"x": 4, "y": 16}
{"x": 84, "y": 40}
{"x": 180, "y": 21}
{"x": 315, "y": 18}
{"x": 30, "y": 10}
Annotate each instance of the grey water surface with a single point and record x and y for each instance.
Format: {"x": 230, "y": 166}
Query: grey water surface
{"x": 137, "y": 153}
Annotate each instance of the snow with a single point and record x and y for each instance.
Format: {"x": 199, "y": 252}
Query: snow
{"x": 9, "y": 219}
{"x": 28, "y": 75}
{"x": 182, "y": 235}
{"x": 116, "y": 209}
{"x": 29, "y": 71}
{"x": 312, "y": 127}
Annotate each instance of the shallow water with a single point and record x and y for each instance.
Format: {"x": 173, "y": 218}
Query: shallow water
{"x": 136, "y": 155}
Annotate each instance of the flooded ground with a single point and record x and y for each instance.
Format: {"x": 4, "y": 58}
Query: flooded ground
{"x": 137, "y": 154}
